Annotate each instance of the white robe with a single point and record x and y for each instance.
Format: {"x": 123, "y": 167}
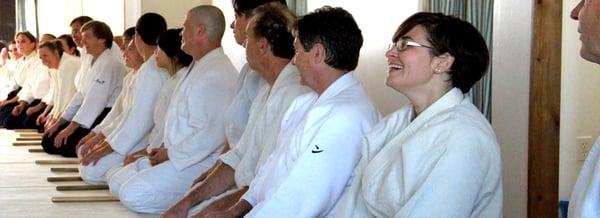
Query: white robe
{"x": 63, "y": 84}
{"x": 585, "y": 198}
{"x": 112, "y": 119}
{"x": 193, "y": 135}
{"x": 155, "y": 138}
{"x": 33, "y": 77}
{"x": 236, "y": 116}
{"x": 318, "y": 147}
{"x": 138, "y": 109}
{"x": 98, "y": 85}
{"x": 25, "y": 68}
{"x": 7, "y": 81}
{"x": 443, "y": 163}
{"x": 129, "y": 134}
{"x": 260, "y": 137}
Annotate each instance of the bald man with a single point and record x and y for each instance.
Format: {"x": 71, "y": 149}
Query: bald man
{"x": 195, "y": 123}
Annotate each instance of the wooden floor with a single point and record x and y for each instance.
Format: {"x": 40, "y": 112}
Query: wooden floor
{"x": 25, "y": 191}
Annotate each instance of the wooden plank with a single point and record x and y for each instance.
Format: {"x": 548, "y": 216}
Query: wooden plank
{"x": 36, "y": 150}
{"x": 64, "y": 178}
{"x": 25, "y": 143}
{"x": 544, "y": 110}
{"x": 39, "y": 135}
{"x": 30, "y": 138}
{"x": 64, "y": 170}
{"x": 58, "y": 161}
{"x": 80, "y": 187}
{"x": 58, "y": 199}
{"x": 26, "y": 130}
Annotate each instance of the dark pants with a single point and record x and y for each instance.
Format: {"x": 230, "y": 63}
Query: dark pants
{"x": 23, "y": 121}
{"x": 68, "y": 149}
{"x": 6, "y": 110}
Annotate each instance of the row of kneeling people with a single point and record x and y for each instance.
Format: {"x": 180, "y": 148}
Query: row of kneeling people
{"x": 293, "y": 134}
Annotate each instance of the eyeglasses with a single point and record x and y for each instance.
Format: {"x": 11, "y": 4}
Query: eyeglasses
{"x": 402, "y": 44}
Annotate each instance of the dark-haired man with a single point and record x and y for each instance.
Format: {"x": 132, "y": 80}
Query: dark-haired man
{"x": 97, "y": 89}
{"x": 321, "y": 132}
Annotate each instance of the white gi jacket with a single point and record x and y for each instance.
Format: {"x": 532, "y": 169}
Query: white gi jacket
{"x": 25, "y": 68}
{"x": 155, "y": 138}
{"x": 195, "y": 126}
{"x": 260, "y": 137}
{"x": 585, "y": 198}
{"x": 236, "y": 116}
{"x": 318, "y": 147}
{"x": 443, "y": 163}
{"x": 62, "y": 84}
{"x": 33, "y": 77}
{"x": 112, "y": 119}
{"x": 138, "y": 107}
{"x": 97, "y": 88}
{"x": 7, "y": 81}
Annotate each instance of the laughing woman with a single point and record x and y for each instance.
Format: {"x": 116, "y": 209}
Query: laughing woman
{"x": 437, "y": 156}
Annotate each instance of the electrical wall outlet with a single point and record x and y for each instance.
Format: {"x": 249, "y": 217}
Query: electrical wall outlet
{"x": 584, "y": 145}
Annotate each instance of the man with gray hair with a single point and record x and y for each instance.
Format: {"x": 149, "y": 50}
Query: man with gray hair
{"x": 194, "y": 128}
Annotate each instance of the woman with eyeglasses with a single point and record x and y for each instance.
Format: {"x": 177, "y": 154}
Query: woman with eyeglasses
{"x": 437, "y": 156}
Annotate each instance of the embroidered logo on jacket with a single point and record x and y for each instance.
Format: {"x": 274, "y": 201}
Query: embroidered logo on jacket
{"x": 99, "y": 81}
{"x": 316, "y": 150}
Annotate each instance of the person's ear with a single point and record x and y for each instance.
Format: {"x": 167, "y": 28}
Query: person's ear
{"x": 442, "y": 63}
{"x": 263, "y": 45}
{"x": 318, "y": 53}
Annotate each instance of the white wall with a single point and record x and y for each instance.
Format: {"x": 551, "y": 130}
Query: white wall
{"x": 378, "y": 22}
{"x": 55, "y": 16}
{"x": 510, "y": 97}
{"x": 580, "y": 102}
{"x": 173, "y": 11}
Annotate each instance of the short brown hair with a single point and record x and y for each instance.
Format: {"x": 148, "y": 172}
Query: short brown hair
{"x": 100, "y": 30}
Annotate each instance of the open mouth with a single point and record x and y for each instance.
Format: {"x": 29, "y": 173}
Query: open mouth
{"x": 395, "y": 66}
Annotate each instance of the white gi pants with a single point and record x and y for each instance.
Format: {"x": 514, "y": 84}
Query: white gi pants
{"x": 96, "y": 174}
{"x": 147, "y": 189}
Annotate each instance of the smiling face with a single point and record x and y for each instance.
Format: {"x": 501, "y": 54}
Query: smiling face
{"x": 49, "y": 58}
{"x": 133, "y": 59}
{"x": 411, "y": 68}
{"x": 588, "y": 14}
{"x": 76, "y": 34}
{"x": 24, "y": 45}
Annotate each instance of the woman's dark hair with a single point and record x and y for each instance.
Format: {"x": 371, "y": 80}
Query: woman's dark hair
{"x": 448, "y": 34}
{"x": 54, "y": 46}
{"x": 70, "y": 43}
{"x": 170, "y": 42}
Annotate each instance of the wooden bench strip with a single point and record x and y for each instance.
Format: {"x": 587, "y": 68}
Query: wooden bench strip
{"x": 36, "y": 150}
{"x": 25, "y": 143}
{"x": 64, "y": 170}
{"x": 58, "y": 199}
{"x": 80, "y": 187}
{"x": 58, "y": 161}
{"x": 64, "y": 178}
